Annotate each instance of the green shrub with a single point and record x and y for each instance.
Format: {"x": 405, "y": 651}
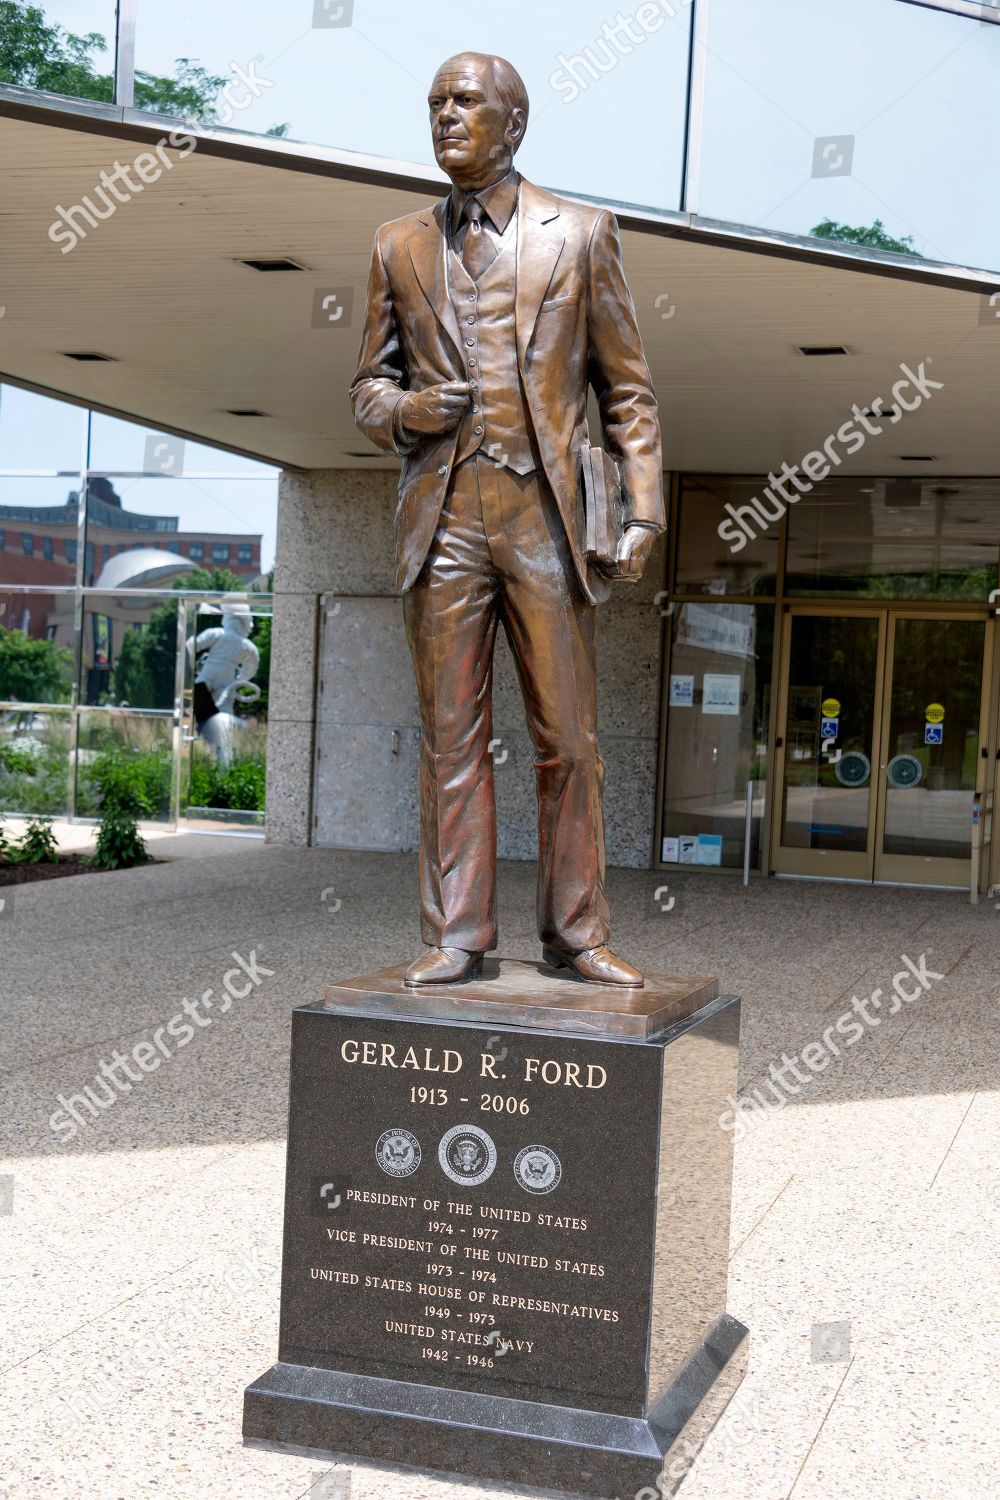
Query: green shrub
{"x": 6, "y": 847}
{"x": 37, "y": 844}
{"x": 239, "y": 786}
{"x": 31, "y": 670}
{"x": 119, "y": 845}
{"x": 138, "y": 785}
{"x": 136, "y": 782}
{"x": 18, "y": 762}
{"x": 34, "y": 778}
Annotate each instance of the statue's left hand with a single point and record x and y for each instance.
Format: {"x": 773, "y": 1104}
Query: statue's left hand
{"x": 633, "y": 552}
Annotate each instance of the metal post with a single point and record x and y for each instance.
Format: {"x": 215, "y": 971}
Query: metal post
{"x": 695, "y": 110}
{"x": 977, "y": 847}
{"x": 748, "y": 830}
{"x": 125, "y": 53}
{"x": 177, "y": 737}
{"x": 79, "y": 621}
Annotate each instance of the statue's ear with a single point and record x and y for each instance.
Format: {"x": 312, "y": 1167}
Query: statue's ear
{"x": 516, "y": 125}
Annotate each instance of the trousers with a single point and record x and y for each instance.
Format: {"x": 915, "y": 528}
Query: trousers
{"x": 500, "y": 556}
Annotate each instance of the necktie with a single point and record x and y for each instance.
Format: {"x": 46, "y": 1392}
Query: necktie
{"x": 478, "y": 251}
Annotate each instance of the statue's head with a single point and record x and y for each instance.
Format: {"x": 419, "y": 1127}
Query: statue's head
{"x": 236, "y": 616}
{"x": 479, "y": 113}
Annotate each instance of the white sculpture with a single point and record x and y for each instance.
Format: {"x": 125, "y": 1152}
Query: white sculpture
{"x": 226, "y": 660}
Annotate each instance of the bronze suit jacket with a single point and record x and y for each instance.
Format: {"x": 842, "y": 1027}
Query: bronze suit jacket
{"x": 575, "y": 327}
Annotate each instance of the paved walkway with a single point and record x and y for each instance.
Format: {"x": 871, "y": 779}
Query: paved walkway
{"x": 139, "y": 1260}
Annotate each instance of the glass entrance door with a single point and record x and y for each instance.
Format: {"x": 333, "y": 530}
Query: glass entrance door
{"x": 882, "y": 729}
{"x": 931, "y": 763}
{"x": 831, "y": 690}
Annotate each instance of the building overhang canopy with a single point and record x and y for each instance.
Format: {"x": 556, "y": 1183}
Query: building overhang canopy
{"x": 197, "y": 341}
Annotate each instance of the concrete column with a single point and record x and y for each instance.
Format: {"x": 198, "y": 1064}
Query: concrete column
{"x": 343, "y": 687}
{"x": 334, "y": 535}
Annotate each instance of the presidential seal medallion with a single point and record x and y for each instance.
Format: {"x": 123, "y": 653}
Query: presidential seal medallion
{"x": 467, "y": 1155}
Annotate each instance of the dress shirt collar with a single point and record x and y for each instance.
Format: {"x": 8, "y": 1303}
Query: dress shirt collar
{"x": 499, "y": 200}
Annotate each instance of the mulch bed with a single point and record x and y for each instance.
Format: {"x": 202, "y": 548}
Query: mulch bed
{"x": 69, "y": 864}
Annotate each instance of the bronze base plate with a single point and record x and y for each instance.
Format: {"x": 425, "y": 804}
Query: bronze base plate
{"x": 516, "y": 992}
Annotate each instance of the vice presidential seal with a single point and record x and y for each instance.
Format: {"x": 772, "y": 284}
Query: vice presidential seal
{"x": 467, "y": 1155}
{"x": 398, "y": 1153}
{"x": 538, "y": 1169}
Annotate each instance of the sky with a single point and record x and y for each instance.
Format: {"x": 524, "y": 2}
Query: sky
{"x": 915, "y": 89}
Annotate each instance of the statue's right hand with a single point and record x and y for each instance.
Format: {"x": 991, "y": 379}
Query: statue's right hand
{"x": 439, "y": 408}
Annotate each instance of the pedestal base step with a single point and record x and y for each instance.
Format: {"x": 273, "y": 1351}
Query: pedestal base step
{"x": 336, "y": 1415}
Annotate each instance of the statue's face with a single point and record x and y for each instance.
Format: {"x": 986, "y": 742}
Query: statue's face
{"x": 470, "y": 126}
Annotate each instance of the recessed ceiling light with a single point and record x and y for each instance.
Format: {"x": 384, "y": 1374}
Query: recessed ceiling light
{"x": 272, "y": 263}
{"x": 917, "y": 458}
{"x": 86, "y": 356}
{"x": 245, "y": 411}
{"x": 885, "y": 411}
{"x": 822, "y": 351}
{"x": 349, "y": 453}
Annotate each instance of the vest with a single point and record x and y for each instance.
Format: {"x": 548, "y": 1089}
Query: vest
{"x": 500, "y": 423}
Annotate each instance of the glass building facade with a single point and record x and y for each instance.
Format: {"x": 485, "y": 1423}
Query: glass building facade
{"x": 117, "y": 547}
{"x": 830, "y": 684}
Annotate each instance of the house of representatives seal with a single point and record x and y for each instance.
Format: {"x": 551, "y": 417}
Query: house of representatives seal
{"x": 467, "y": 1155}
{"x": 398, "y": 1152}
{"x": 537, "y": 1169}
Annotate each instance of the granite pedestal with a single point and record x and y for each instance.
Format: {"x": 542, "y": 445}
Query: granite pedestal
{"x": 507, "y": 1230}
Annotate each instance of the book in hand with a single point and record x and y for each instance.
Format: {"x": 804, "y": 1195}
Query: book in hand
{"x": 604, "y": 508}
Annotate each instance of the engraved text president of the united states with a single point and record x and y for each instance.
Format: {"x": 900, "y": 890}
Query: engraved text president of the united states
{"x": 489, "y": 317}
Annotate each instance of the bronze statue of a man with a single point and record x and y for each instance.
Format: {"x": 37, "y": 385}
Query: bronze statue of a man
{"x": 489, "y": 317}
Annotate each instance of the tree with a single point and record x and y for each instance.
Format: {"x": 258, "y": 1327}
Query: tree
{"x": 211, "y": 581}
{"x": 146, "y": 669}
{"x": 189, "y": 94}
{"x": 33, "y": 671}
{"x": 38, "y": 55}
{"x": 874, "y": 236}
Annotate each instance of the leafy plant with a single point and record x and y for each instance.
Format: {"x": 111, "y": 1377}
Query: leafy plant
{"x": 119, "y": 845}
{"x": 6, "y": 847}
{"x": 37, "y": 844}
{"x": 239, "y": 786}
{"x": 137, "y": 784}
{"x": 30, "y": 670}
{"x": 17, "y": 761}
{"x": 34, "y": 780}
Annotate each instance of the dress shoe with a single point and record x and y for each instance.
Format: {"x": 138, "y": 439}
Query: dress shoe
{"x": 444, "y": 966}
{"x": 595, "y": 965}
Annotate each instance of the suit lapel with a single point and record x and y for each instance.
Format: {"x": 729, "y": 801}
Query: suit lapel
{"x": 539, "y": 245}
{"x": 428, "y": 249}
